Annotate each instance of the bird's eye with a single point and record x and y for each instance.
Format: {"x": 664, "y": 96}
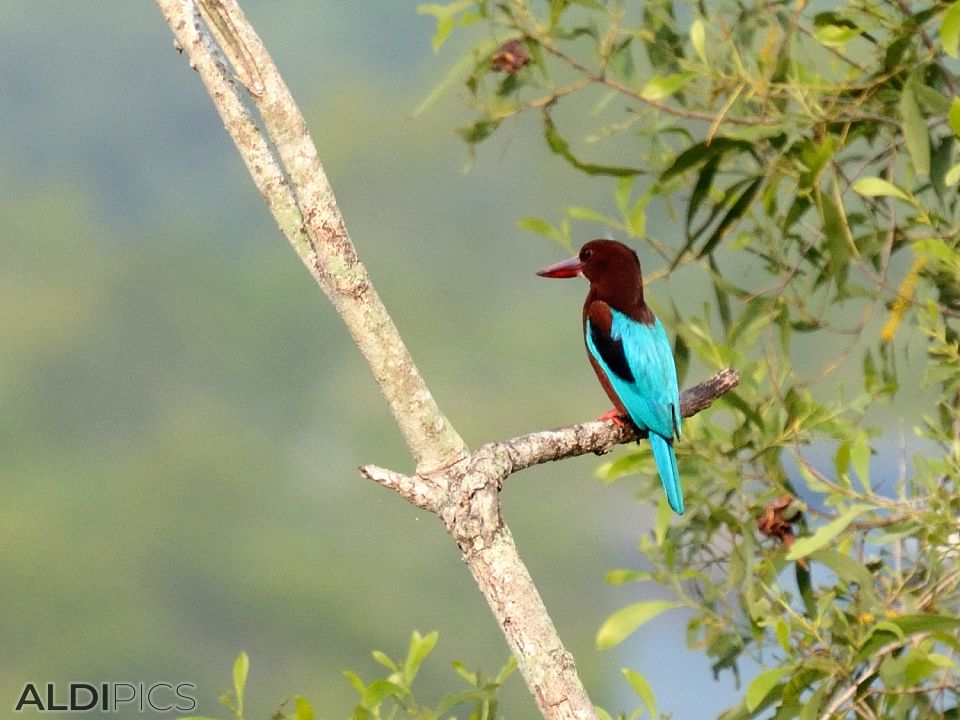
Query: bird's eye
{"x": 585, "y": 254}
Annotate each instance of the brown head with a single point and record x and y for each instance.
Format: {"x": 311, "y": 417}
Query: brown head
{"x": 613, "y": 270}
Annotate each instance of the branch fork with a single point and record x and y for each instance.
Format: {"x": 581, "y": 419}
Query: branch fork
{"x": 464, "y": 494}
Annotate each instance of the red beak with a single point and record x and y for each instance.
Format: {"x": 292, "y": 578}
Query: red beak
{"x": 564, "y": 269}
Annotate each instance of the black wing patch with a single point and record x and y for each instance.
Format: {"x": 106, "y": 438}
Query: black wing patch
{"x": 611, "y": 352}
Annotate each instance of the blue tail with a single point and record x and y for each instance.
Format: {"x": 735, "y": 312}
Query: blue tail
{"x": 667, "y": 467}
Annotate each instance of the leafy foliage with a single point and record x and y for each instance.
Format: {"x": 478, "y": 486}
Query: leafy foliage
{"x": 390, "y": 697}
{"x": 814, "y": 155}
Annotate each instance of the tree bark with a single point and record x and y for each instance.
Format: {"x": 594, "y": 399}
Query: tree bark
{"x": 460, "y": 487}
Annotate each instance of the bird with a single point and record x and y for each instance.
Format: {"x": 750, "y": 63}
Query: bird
{"x": 629, "y": 350}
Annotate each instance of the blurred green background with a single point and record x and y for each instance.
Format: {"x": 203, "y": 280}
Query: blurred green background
{"x": 182, "y": 414}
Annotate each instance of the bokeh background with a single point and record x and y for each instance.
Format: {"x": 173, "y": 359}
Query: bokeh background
{"x": 182, "y": 414}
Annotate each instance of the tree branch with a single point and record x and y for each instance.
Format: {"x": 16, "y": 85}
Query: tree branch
{"x": 291, "y": 179}
{"x": 462, "y": 489}
{"x": 600, "y": 436}
{"x": 501, "y": 459}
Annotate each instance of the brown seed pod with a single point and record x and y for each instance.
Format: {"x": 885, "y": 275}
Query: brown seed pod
{"x": 511, "y": 57}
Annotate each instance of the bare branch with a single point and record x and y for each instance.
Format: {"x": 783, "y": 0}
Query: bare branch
{"x": 297, "y": 191}
{"x": 419, "y": 491}
{"x": 600, "y": 436}
{"x": 498, "y": 460}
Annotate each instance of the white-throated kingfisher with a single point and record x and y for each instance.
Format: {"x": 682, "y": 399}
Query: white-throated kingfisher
{"x": 629, "y": 350}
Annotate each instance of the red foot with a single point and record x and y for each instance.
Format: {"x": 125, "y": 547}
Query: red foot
{"x": 613, "y": 414}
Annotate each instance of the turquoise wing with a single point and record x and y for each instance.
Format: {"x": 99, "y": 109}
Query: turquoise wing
{"x": 638, "y": 362}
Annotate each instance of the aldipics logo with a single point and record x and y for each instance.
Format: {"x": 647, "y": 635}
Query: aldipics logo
{"x": 159, "y": 697}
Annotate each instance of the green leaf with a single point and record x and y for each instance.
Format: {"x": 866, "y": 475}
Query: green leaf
{"x": 621, "y": 60}
{"x": 836, "y": 233}
{"x": 912, "y": 624}
{"x": 798, "y": 207}
{"x": 921, "y": 664}
{"x": 842, "y": 460}
{"x": 303, "y": 711}
{"x": 542, "y": 227}
{"x": 942, "y": 661}
{"x": 835, "y": 35}
{"x": 622, "y": 576}
{"x": 361, "y": 713}
{"x": 950, "y": 30}
{"x": 953, "y": 176}
{"x": 622, "y": 193}
{"x": 860, "y": 457}
{"x": 478, "y": 131}
{"x": 782, "y": 631}
{"x": 811, "y": 706}
{"x": 758, "y": 315}
{"x": 642, "y": 688}
{"x": 583, "y": 213}
{"x": 636, "y": 219}
{"x": 446, "y": 16}
{"x": 849, "y": 571}
{"x": 507, "y": 670}
{"x": 762, "y": 685}
{"x": 915, "y": 130}
{"x": 445, "y": 26}
{"x": 690, "y": 158}
{"x": 812, "y": 159}
{"x": 559, "y": 146}
{"x": 355, "y": 681}
{"x": 701, "y": 191}
{"x": 378, "y": 691}
{"x": 822, "y": 537}
{"x": 833, "y": 29}
{"x": 663, "y": 86}
{"x": 883, "y": 633}
{"x": 241, "y": 668}
{"x": 941, "y": 161}
{"x": 664, "y": 517}
{"x": 384, "y": 660}
{"x": 805, "y": 586}
{"x": 878, "y": 187}
{"x": 462, "y": 671}
{"x": 663, "y": 43}
{"x": 625, "y": 621}
{"x": 718, "y": 207}
{"x": 698, "y": 38}
{"x": 939, "y": 250}
{"x": 417, "y": 651}
{"x": 933, "y": 101}
{"x": 953, "y": 115}
{"x": 736, "y": 211}
{"x": 461, "y": 698}
{"x": 469, "y": 60}
{"x": 700, "y": 153}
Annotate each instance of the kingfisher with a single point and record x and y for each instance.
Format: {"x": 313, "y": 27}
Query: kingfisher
{"x": 629, "y": 350}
